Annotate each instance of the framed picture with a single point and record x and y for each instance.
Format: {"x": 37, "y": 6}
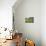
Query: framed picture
{"x": 29, "y": 20}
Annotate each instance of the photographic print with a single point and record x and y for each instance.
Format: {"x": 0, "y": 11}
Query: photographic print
{"x": 22, "y": 22}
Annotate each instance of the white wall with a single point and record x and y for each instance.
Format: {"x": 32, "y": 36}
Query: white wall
{"x": 43, "y": 22}
{"x": 29, "y": 8}
{"x": 6, "y": 13}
